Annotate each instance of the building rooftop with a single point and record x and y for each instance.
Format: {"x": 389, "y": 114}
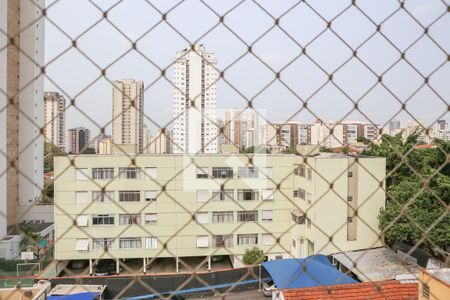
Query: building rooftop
{"x": 441, "y": 274}
{"x": 322, "y": 155}
{"x": 393, "y": 290}
{"x": 15, "y": 229}
{"x": 70, "y": 289}
{"x": 376, "y": 264}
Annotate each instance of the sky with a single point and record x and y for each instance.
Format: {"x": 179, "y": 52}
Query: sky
{"x": 107, "y": 44}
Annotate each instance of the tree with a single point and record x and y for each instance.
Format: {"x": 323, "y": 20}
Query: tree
{"x": 50, "y": 151}
{"x": 249, "y": 150}
{"x": 418, "y": 192}
{"x": 88, "y": 151}
{"x": 325, "y": 149}
{"x": 253, "y": 256}
{"x": 289, "y": 150}
{"x": 30, "y": 238}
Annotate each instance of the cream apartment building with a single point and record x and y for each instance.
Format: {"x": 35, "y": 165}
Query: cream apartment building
{"x": 213, "y": 204}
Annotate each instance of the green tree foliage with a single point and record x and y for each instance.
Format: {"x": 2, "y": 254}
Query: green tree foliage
{"x": 253, "y": 256}
{"x": 325, "y": 149}
{"x": 30, "y": 238}
{"x": 249, "y": 150}
{"x": 418, "y": 192}
{"x": 88, "y": 151}
{"x": 289, "y": 150}
{"x": 50, "y": 151}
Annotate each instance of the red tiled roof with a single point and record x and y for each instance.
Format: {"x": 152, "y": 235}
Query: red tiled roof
{"x": 378, "y": 290}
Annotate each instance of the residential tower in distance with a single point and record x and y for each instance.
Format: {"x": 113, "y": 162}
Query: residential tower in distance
{"x": 194, "y": 102}
{"x": 55, "y": 119}
{"x": 78, "y": 139}
{"x": 128, "y": 116}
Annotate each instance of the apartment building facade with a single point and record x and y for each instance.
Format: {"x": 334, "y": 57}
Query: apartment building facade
{"x": 21, "y": 84}
{"x": 55, "y": 119}
{"x": 195, "y": 102}
{"x": 171, "y": 206}
{"x": 78, "y": 139}
{"x": 128, "y": 116}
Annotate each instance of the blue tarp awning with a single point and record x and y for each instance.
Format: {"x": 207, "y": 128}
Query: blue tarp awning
{"x": 81, "y": 296}
{"x": 313, "y": 270}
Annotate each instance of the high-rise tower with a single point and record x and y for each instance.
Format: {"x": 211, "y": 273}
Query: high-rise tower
{"x": 194, "y": 102}
{"x": 128, "y": 116}
{"x": 55, "y": 119}
{"x": 21, "y": 108}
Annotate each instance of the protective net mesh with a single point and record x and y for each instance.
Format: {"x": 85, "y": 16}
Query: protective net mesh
{"x": 376, "y": 61}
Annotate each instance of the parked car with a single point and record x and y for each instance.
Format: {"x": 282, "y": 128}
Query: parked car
{"x": 106, "y": 267}
{"x": 78, "y": 264}
{"x": 268, "y": 288}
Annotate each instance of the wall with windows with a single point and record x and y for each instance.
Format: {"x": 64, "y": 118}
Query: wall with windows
{"x": 167, "y": 205}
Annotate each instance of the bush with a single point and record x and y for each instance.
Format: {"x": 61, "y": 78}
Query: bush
{"x": 253, "y": 256}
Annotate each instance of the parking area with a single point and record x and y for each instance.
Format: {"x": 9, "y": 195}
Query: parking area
{"x": 156, "y": 266}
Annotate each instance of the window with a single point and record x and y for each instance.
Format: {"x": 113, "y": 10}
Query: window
{"x": 202, "y": 196}
{"x": 268, "y": 239}
{"x": 349, "y": 220}
{"x": 151, "y": 195}
{"x": 425, "y": 291}
{"x": 82, "y": 245}
{"x": 202, "y": 217}
{"x": 267, "y": 194}
{"x": 202, "y": 241}
{"x": 82, "y": 220}
{"x": 225, "y": 172}
{"x": 247, "y": 195}
{"x": 151, "y": 242}
{"x": 202, "y": 172}
{"x": 103, "y": 243}
{"x": 247, "y": 216}
{"x": 248, "y": 172}
{"x": 102, "y": 173}
{"x": 103, "y": 197}
{"x": 300, "y": 170}
{"x": 129, "y": 196}
{"x": 151, "y": 219}
{"x": 294, "y": 243}
{"x": 128, "y": 243}
{"x": 309, "y": 177}
{"x": 349, "y": 198}
{"x": 298, "y": 217}
{"x": 350, "y": 174}
{"x": 224, "y": 195}
{"x": 102, "y": 219}
{"x": 267, "y": 215}
{"x": 308, "y": 223}
{"x": 308, "y": 197}
{"x": 81, "y": 197}
{"x": 222, "y": 241}
{"x": 126, "y": 219}
{"x": 247, "y": 239}
{"x": 222, "y": 217}
{"x": 301, "y": 193}
{"x": 81, "y": 174}
{"x": 266, "y": 172}
{"x": 150, "y": 173}
{"x": 295, "y": 194}
{"x": 129, "y": 173}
